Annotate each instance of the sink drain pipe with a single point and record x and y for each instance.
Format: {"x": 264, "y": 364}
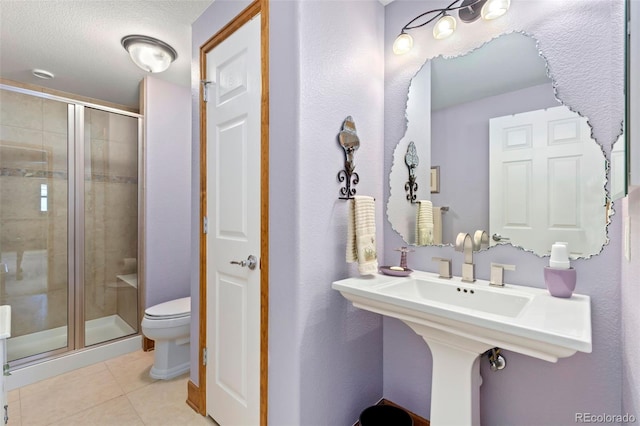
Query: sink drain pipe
{"x": 496, "y": 360}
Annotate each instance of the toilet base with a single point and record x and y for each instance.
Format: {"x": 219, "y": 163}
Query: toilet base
{"x": 171, "y": 359}
{"x": 169, "y": 373}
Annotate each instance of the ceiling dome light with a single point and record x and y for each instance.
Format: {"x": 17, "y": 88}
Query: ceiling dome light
{"x": 444, "y": 27}
{"x": 44, "y": 74}
{"x": 149, "y": 53}
{"x": 403, "y": 44}
{"x": 493, "y": 9}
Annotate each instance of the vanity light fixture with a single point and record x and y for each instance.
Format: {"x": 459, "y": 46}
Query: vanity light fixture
{"x": 444, "y": 27}
{"x": 403, "y": 44}
{"x": 468, "y": 11}
{"x": 149, "y": 53}
{"x": 495, "y": 9}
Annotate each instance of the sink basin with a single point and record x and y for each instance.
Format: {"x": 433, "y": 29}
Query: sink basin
{"x": 460, "y": 321}
{"x": 476, "y": 298}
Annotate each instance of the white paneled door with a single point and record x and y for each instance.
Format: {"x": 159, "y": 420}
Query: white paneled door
{"x": 546, "y": 179}
{"x": 233, "y": 238}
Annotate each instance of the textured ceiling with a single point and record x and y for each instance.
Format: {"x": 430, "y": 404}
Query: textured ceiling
{"x": 79, "y": 42}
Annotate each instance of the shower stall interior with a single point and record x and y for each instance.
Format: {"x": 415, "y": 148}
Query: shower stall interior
{"x": 69, "y": 220}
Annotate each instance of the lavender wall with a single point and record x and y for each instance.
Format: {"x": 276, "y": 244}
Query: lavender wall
{"x": 326, "y": 62}
{"x": 630, "y": 312}
{"x": 528, "y": 391}
{"x": 341, "y": 68}
{"x": 167, "y": 200}
{"x": 285, "y": 375}
{"x": 467, "y": 198}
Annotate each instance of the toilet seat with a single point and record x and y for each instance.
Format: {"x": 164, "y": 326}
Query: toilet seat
{"x": 178, "y": 308}
{"x": 165, "y": 323}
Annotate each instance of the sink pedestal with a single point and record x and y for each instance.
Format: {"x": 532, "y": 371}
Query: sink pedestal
{"x": 455, "y": 380}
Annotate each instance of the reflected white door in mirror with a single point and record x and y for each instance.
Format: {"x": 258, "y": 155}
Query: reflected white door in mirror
{"x": 546, "y": 181}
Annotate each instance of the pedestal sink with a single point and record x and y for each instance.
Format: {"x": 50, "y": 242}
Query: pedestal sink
{"x": 460, "y": 321}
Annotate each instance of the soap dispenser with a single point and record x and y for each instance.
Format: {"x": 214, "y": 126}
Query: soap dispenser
{"x": 559, "y": 276}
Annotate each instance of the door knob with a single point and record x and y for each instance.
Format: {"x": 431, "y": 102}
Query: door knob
{"x": 251, "y": 262}
{"x": 498, "y": 237}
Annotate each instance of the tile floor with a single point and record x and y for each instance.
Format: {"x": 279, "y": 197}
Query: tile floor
{"x": 115, "y": 392}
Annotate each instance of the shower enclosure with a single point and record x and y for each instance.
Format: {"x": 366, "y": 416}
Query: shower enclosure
{"x": 69, "y": 201}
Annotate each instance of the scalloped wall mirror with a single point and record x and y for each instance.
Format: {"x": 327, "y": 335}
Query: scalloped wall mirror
{"x": 513, "y": 160}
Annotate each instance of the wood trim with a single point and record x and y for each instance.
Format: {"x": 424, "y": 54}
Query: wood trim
{"x": 258, "y": 6}
{"x": 202, "y": 338}
{"x": 148, "y": 344}
{"x": 193, "y": 397}
{"x": 68, "y": 95}
{"x": 232, "y": 26}
{"x": 264, "y": 222}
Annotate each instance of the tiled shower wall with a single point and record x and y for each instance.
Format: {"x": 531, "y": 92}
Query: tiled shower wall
{"x": 111, "y": 208}
{"x": 33, "y": 151}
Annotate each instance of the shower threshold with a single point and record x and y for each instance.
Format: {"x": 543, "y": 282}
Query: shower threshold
{"x": 97, "y": 331}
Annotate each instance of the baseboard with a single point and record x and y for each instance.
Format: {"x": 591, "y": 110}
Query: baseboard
{"x": 148, "y": 344}
{"x": 417, "y": 420}
{"x": 193, "y": 398}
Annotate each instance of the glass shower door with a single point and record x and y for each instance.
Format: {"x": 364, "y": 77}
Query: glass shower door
{"x": 33, "y": 222}
{"x": 110, "y": 226}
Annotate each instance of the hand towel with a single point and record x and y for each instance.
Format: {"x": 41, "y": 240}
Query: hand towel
{"x": 361, "y": 234}
{"x": 424, "y": 223}
{"x": 437, "y": 225}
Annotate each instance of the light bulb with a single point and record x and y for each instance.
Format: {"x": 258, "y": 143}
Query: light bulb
{"x": 150, "y": 58}
{"x": 493, "y": 9}
{"x": 444, "y": 27}
{"x": 149, "y": 53}
{"x": 402, "y": 44}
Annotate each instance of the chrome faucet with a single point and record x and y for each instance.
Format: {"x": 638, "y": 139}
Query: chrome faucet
{"x": 464, "y": 243}
{"x": 444, "y": 267}
{"x": 497, "y": 273}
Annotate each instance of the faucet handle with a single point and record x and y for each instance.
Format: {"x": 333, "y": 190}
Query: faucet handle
{"x": 444, "y": 266}
{"x": 497, "y": 273}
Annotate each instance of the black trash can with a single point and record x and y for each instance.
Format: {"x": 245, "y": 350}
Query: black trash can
{"x": 385, "y": 415}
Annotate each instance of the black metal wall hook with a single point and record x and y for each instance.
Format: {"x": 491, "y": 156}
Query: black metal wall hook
{"x": 350, "y": 142}
{"x": 412, "y": 160}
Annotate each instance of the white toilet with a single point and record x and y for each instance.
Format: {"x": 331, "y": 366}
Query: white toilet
{"x": 168, "y": 324}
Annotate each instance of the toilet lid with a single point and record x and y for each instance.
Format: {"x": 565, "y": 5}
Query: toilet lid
{"x": 172, "y": 308}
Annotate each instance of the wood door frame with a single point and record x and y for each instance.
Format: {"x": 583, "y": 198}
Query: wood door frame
{"x": 197, "y": 394}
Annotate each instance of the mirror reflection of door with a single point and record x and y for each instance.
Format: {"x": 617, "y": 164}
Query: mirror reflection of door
{"x": 618, "y": 169}
{"x": 546, "y": 180}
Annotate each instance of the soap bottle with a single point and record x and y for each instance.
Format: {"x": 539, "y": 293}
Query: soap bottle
{"x": 559, "y": 276}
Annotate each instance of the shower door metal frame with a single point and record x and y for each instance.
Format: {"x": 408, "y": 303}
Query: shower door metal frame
{"x": 75, "y": 219}
{"x": 72, "y": 176}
